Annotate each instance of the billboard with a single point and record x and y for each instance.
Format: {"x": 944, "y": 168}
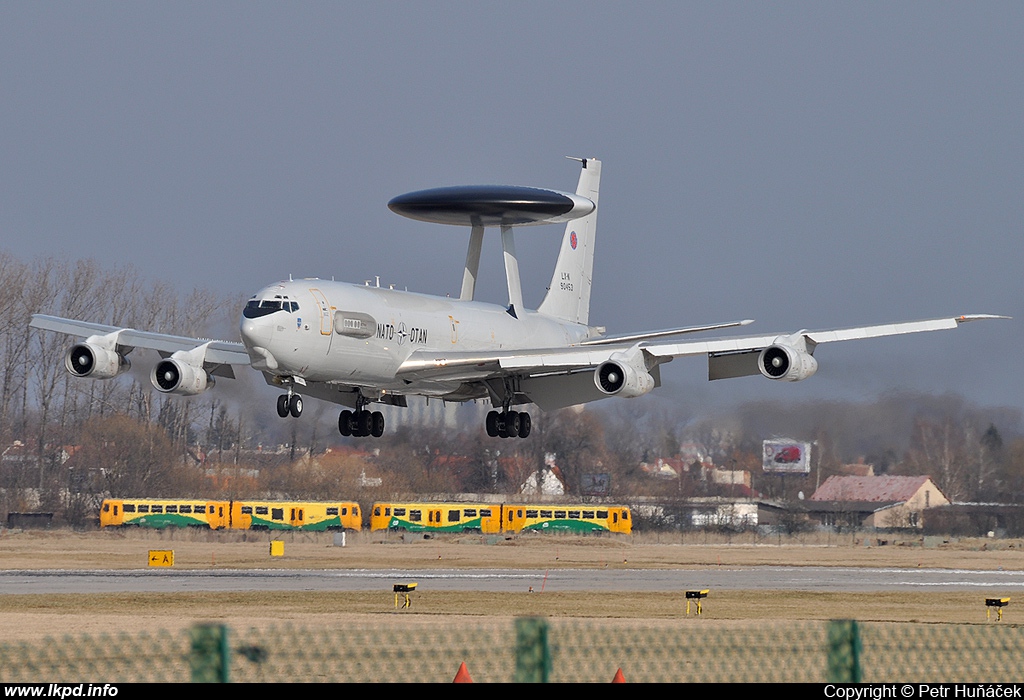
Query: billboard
{"x": 595, "y": 484}
{"x": 787, "y": 456}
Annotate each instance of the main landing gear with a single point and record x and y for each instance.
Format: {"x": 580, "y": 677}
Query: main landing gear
{"x": 508, "y": 424}
{"x": 361, "y": 423}
{"x": 289, "y": 404}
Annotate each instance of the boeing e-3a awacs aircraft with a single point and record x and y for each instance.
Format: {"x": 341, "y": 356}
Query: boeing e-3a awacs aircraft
{"x": 356, "y": 345}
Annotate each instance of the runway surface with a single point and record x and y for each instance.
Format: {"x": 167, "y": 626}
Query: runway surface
{"x": 509, "y": 581}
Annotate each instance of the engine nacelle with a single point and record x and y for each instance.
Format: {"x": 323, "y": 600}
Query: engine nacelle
{"x": 624, "y": 375}
{"x": 173, "y": 376}
{"x": 786, "y": 363}
{"x": 95, "y": 362}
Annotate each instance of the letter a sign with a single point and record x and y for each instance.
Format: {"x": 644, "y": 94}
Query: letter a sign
{"x": 161, "y": 557}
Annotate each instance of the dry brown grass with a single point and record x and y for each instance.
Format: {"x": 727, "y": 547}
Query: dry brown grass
{"x": 36, "y": 616}
{"x": 198, "y": 549}
{"x": 33, "y": 617}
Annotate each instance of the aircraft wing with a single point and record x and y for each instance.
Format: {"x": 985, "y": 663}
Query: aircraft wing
{"x": 650, "y": 335}
{"x": 218, "y": 352}
{"x": 724, "y": 355}
{"x": 542, "y": 372}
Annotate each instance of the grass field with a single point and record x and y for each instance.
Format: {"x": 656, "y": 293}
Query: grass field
{"x": 33, "y": 617}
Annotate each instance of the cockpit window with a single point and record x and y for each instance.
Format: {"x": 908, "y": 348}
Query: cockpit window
{"x": 256, "y": 307}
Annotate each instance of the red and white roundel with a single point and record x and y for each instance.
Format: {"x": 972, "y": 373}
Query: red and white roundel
{"x": 572, "y": 240}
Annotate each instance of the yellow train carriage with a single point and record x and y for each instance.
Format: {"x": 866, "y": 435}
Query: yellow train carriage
{"x": 580, "y": 518}
{"x": 295, "y": 515}
{"x": 163, "y": 512}
{"x": 496, "y": 518}
{"x": 436, "y": 517}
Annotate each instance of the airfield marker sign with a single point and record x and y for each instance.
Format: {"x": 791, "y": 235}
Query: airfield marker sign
{"x": 161, "y": 557}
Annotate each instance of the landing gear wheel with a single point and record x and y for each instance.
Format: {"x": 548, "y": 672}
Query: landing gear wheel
{"x": 492, "y": 423}
{"x": 345, "y": 423}
{"x": 512, "y": 423}
{"x": 295, "y": 405}
{"x": 282, "y": 405}
{"x": 365, "y": 423}
{"x": 508, "y": 424}
{"x": 377, "y": 429}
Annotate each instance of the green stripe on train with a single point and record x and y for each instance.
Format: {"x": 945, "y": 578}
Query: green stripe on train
{"x": 161, "y": 520}
{"x": 258, "y": 522}
{"x": 399, "y": 524}
{"x": 571, "y": 525}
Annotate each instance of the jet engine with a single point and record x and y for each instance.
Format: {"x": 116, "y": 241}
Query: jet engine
{"x": 95, "y": 362}
{"x": 624, "y": 375}
{"x": 172, "y": 376}
{"x": 786, "y": 363}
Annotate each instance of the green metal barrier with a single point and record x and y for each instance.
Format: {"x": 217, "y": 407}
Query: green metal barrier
{"x": 533, "y": 658}
{"x": 844, "y": 652}
{"x": 210, "y": 656}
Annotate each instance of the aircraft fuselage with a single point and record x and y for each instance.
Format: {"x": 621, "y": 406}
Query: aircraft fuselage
{"x": 359, "y": 335}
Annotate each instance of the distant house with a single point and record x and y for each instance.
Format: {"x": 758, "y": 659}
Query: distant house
{"x": 18, "y": 454}
{"x": 719, "y": 512}
{"x": 875, "y": 501}
{"x": 733, "y": 477}
{"x": 663, "y": 468}
{"x": 545, "y": 482}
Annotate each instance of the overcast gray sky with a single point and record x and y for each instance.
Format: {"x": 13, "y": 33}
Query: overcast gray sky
{"x": 808, "y": 165}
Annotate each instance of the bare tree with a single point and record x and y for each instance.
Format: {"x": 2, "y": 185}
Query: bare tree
{"x": 941, "y": 449}
{"x": 576, "y": 437}
{"x": 14, "y": 338}
{"x": 131, "y": 458}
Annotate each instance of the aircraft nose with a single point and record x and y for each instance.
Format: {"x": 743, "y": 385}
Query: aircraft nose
{"x": 256, "y": 332}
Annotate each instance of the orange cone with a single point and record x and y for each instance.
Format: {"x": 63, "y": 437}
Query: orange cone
{"x": 462, "y": 676}
{"x": 619, "y": 678}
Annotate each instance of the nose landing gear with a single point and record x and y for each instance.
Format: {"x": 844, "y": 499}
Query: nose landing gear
{"x": 289, "y": 404}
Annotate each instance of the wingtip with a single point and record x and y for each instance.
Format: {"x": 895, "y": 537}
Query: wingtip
{"x": 981, "y": 317}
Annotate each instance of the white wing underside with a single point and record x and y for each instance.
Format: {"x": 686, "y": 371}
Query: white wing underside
{"x": 468, "y": 366}
{"x": 550, "y": 377}
{"x": 218, "y": 352}
{"x": 560, "y": 377}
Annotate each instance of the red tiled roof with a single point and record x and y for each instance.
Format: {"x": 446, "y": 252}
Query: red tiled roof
{"x": 869, "y": 489}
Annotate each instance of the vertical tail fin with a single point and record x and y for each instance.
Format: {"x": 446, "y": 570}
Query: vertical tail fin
{"x": 568, "y": 296}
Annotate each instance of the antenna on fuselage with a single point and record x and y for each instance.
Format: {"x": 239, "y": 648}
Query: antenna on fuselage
{"x": 501, "y": 206}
